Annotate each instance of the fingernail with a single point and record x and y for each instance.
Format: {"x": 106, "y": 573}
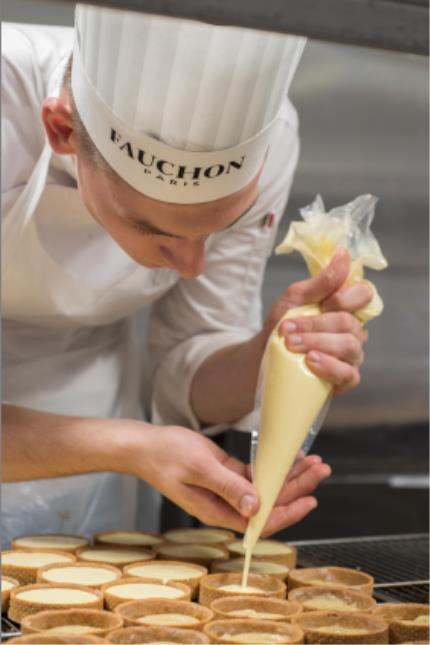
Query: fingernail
{"x": 315, "y": 504}
{"x": 294, "y": 339}
{"x": 290, "y": 326}
{"x": 314, "y": 357}
{"x": 247, "y": 504}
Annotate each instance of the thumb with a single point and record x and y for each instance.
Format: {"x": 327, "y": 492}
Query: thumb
{"x": 321, "y": 286}
{"x": 232, "y": 488}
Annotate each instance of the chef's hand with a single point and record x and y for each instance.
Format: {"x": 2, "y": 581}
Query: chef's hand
{"x": 205, "y": 481}
{"x": 332, "y": 341}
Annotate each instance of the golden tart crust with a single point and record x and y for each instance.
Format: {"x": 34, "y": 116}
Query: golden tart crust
{"x": 332, "y": 576}
{"x": 265, "y": 567}
{"x": 272, "y": 550}
{"x": 101, "y": 622}
{"x": 158, "y": 635}
{"x": 116, "y": 556}
{"x": 255, "y": 608}
{"x": 342, "y": 627}
{"x": 202, "y": 554}
{"x": 34, "y": 598}
{"x": 127, "y": 538}
{"x": 253, "y": 631}
{"x": 135, "y": 612}
{"x": 223, "y": 585}
{"x": 327, "y": 598}
{"x": 50, "y": 541}
{"x": 186, "y": 573}
{"x": 199, "y": 536}
{"x": 127, "y": 589}
{"x": 7, "y": 584}
{"x": 48, "y": 638}
{"x": 24, "y": 565}
{"x": 404, "y": 621}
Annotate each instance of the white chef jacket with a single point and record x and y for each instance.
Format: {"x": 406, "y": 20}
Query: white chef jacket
{"x": 70, "y": 295}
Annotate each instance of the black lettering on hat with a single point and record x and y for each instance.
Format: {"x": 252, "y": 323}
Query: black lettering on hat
{"x": 127, "y": 148}
{"x": 114, "y": 136}
{"x": 145, "y": 161}
{"x": 182, "y": 171}
{"x": 214, "y": 171}
{"x": 160, "y": 165}
{"x": 235, "y": 164}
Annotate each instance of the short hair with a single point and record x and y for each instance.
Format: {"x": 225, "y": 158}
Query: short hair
{"x": 85, "y": 143}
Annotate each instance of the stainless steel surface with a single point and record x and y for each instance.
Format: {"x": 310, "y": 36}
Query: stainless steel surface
{"x": 400, "y": 25}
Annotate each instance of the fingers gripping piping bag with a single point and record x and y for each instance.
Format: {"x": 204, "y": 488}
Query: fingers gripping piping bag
{"x": 293, "y": 399}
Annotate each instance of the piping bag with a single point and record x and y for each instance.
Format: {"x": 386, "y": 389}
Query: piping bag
{"x": 293, "y": 399}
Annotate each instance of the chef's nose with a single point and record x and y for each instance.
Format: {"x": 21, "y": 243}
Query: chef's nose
{"x": 189, "y": 258}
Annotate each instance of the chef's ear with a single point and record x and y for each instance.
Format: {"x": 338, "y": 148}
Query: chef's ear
{"x": 58, "y": 121}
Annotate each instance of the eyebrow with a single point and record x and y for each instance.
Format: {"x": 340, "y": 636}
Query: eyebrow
{"x": 142, "y": 226}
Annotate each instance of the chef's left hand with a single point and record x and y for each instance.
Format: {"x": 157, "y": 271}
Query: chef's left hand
{"x": 333, "y": 341}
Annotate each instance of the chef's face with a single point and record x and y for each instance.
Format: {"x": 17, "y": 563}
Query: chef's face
{"x": 154, "y": 233}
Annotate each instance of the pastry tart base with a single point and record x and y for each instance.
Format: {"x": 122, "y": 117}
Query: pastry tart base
{"x": 342, "y": 627}
{"x": 78, "y": 573}
{"x": 132, "y": 612}
{"x": 210, "y": 587}
{"x": 98, "y": 620}
{"x": 333, "y": 576}
{"x": 137, "y": 570}
{"x": 280, "y": 610}
{"x": 229, "y": 631}
{"x": 328, "y": 598}
{"x": 30, "y": 599}
{"x": 123, "y": 590}
{"x": 140, "y": 635}
{"x": 26, "y": 570}
{"x": 400, "y": 617}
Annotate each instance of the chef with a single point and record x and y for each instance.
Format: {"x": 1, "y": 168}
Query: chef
{"x": 146, "y": 165}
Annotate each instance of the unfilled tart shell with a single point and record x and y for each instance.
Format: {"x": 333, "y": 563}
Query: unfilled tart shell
{"x": 137, "y": 570}
{"x": 203, "y": 554}
{"x": 132, "y": 611}
{"x": 112, "y": 597}
{"x": 21, "y": 607}
{"x": 266, "y": 567}
{"x": 283, "y": 610}
{"x": 97, "y": 619}
{"x": 353, "y": 600}
{"x": 77, "y": 573}
{"x": 375, "y": 629}
{"x": 276, "y": 551}
{"x": 140, "y": 635}
{"x": 199, "y": 536}
{"x": 132, "y": 539}
{"x": 210, "y": 587}
{"x": 333, "y": 576}
{"x": 47, "y": 638}
{"x": 116, "y": 556}
{"x": 222, "y": 631}
{"x": 397, "y": 613}
{"x": 5, "y": 593}
{"x": 50, "y": 542}
{"x": 26, "y": 572}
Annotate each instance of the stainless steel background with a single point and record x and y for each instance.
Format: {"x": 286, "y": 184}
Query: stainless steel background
{"x": 364, "y": 128}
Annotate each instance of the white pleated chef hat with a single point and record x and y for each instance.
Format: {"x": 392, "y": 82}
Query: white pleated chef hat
{"x": 183, "y": 111}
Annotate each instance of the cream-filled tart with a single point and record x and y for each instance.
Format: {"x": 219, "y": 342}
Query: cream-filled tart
{"x": 256, "y": 608}
{"x": 116, "y": 556}
{"x": 127, "y": 538}
{"x": 266, "y": 550}
{"x": 342, "y": 627}
{"x": 203, "y": 554}
{"x": 72, "y": 621}
{"x": 226, "y": 585}
{"x": 89, "y": 574}
{"x": 327, "y": 598}
{"x": 199, "y": 536}
{"x": 157, "y": 636}
{"x": 24, "y": 565}
{"x": 249, "y": 631}
{"x": 139, "y": 589}
{"x": 166, "y": 570}
{"x": 31, "y": 599}
{"x": 7, "y": 584}
{"x": 267, "y": 567}
{"x": 407, "y": 621}
{"x": 167, "y": 613}
{"x": 331, "y": 576}
{"x": 50, "y": 542}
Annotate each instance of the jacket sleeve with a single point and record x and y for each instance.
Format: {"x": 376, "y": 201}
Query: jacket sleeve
{"x": 221, "y": 307}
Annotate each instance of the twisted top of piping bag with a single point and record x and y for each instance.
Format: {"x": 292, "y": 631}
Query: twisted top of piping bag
{"x": 321, "y": 233}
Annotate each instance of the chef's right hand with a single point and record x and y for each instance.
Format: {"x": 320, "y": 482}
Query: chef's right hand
{"x": 196, "y": 474}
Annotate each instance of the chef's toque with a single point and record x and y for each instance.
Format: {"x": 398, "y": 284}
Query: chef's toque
{"x": 183, "y": 111}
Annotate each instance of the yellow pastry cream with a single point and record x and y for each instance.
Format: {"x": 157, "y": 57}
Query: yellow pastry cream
{"x": 164, "y": 572}
{"x": 419, "y": 620}
{"x": 73, "y": 629}
{"x": 168, "y": 619}
{"x": 292, "y": 395}
{"x": 256, "y": 637}
{"x": 252, "y": 613}
{"x": 57, "y": 596}
{"x": 240, "y": 589}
